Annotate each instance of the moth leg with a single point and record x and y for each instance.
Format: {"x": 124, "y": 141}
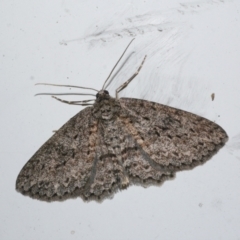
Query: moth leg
{"x": 119, "y": 89}
{"x": 82, "y": 103}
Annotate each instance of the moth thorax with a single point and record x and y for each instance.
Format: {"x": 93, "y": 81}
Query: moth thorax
{"x": 106, "y": 112}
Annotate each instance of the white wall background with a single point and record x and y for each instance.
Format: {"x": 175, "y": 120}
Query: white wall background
{"x": 193, "y": 50}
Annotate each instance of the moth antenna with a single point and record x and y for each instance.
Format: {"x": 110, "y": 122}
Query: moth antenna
{"x": 82, "y": 103}
{"x": 89, "y": 100}
{"x": 85, "y": 94}
{"x": 119, "y": 69}
{"x": 119, "y": 89}
{"x": 116, "y": 64}
{"x": 59, "y": 85}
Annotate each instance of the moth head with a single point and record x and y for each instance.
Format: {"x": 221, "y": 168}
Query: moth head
{"x": 104, "y": 106}
{"x": 102, "y": 94}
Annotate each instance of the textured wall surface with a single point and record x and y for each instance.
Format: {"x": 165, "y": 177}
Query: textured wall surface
{"x": 192, "y": 50}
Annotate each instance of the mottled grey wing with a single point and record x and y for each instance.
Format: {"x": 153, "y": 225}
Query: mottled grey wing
{"x": 63, "y": 165}
{"x": 167, "y": 139}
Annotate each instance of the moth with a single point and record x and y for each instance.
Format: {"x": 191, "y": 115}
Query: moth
{"x": 117, "y": 142}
